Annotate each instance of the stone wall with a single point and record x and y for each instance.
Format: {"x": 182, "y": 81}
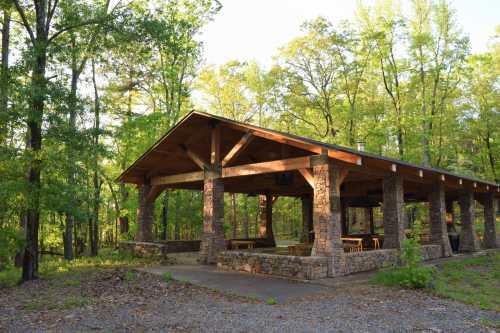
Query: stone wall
{"x": 160, "y": 248}
{"x": 370, "y": 260}
{"x": 310, "y": 268}
{"x": 176, "y": 246}
{"x": 307, "y": 268}
{"x": 143, "y": 249}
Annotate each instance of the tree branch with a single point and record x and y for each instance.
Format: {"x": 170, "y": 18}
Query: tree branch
{"x": 71, "y": 27}
{"x": 25, "y": 21}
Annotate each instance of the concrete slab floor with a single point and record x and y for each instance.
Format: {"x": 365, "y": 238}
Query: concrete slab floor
{"x": 241, "y": 284}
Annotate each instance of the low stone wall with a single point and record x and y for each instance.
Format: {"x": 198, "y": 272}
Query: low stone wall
{"x": 176, "y": 246}
{"x": 431, "y": 251}
{"x": 369, "y": 260}
{"x": 160, "y": 248}
{"x": 143, "y": 249}
{"x": 308, "y": 268}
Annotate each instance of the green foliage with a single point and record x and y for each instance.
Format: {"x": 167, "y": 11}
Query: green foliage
{"x": 11, "y": 240}
{"x": 271, "y": 301}
{"x": 409, "y": 273}
{"x": 167, "y": 276}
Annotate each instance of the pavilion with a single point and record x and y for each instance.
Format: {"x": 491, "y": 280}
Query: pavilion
{"x": 216, "y": 155}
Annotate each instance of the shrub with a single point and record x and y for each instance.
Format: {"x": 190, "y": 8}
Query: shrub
{"x": 409, "y": 273}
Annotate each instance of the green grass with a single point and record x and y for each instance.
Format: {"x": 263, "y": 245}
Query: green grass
{"x": 54, "y": 268}
{"x": 473, "y": 281}
{"x": 271, "y": 301}
{"x": 167, "y": 276}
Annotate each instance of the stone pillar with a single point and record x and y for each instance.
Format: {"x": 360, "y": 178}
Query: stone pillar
{"x": 307, "y": 219}
{"x": 394, "y": 213}
{"x": 326, "y": 214}
{"x": 266, "y": 219}
{"x": 490, "y": 212}
{"x": 212, "y": 241}
{"x": 144, "y": 214}
{"x": 437, "y": 218}
{"x": 468, "y": 239}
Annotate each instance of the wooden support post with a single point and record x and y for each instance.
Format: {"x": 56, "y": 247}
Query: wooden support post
{"x": 393, "y": 198}
{"x": 437, "y": 217}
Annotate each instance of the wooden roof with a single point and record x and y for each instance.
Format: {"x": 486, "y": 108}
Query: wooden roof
{"x": 186, "y": 145}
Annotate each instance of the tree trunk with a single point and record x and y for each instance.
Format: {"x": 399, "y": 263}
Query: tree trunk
{"x": 233, "y": 216}
{"x": 176, "y": 216}
{"x": 4, "y": 75}
{"x": 164, "y": 217}
{"x": 245, "y": 217}
{"x": 96, "y": 180}
{"x": 35, "y": 117}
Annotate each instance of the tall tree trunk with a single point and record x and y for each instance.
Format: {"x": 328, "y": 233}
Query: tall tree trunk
{"x": 96, "y": 180}
{"x": 233, "y": 216}
{"x": 164, "y": 217}
{"x": 4, "y": 74}
{"x": 176, "y": 217}
{"x": 34, "y": 124}
{"x": 245, "y": 217}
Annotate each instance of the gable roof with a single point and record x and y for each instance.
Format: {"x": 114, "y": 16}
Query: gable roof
{"x": 193, "y": 123}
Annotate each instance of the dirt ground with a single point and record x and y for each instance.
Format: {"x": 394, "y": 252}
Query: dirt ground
{"x": 123, "y": 300}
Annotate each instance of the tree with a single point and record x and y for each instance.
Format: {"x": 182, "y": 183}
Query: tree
{"x": 41, "y": 34}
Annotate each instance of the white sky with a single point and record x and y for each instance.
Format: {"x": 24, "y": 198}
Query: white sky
{"x": 255, "y": 29}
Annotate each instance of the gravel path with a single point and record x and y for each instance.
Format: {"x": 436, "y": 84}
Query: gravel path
{"x": 120, "y": 301}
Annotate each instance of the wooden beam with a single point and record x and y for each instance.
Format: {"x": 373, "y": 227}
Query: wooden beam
{"x": 179, "y": 178}
{"x": 298, "y": 143}
{"x": 308, "y": 176}
{"x": 195, "y": 157}
{"x": 237, "y": 148}
{"x": 154, "y": 193}
{"x": 267, "y": 167}
{"x": 215, "y": 146}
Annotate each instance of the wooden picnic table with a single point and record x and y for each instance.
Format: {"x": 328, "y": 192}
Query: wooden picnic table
{"x": 358, "y": 242}
{"x": 238, "y": 244}
{"x": 302, "y": 249}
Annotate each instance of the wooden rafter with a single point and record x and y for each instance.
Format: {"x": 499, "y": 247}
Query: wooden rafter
{"x": 237, "y": 148}
{"x": 267, "y": 167}
{"x": 215, "y": 146}
{"x": 179, "y": 178}
{"x": 195, "y": 157}
{"x": 238, "y": 171}
{"x": 308, "y": 176}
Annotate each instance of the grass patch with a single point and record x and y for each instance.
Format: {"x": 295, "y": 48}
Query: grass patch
{"x": 271, "y": 301}
{"x": 130, "y": 276}
{"x": 167, "y": 276}
{"x": 55, "y": 268}
{"x": 75, "y": 302}
{"x": 473, "y": 281}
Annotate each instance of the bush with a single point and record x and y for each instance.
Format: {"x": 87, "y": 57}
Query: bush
{"x": 409, "y": 273}
{"x": 11, "y": 240}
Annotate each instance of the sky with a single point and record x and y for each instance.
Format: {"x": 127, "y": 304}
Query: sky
{"x": 255, "y": 29}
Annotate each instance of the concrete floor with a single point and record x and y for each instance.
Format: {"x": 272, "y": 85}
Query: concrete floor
{"x": 241, "y": 284}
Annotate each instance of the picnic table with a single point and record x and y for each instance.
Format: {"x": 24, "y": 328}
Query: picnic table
{"x": 354, "y": 244}
{"x": 238, "y": 244}
{"x": 303, "y": 249}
